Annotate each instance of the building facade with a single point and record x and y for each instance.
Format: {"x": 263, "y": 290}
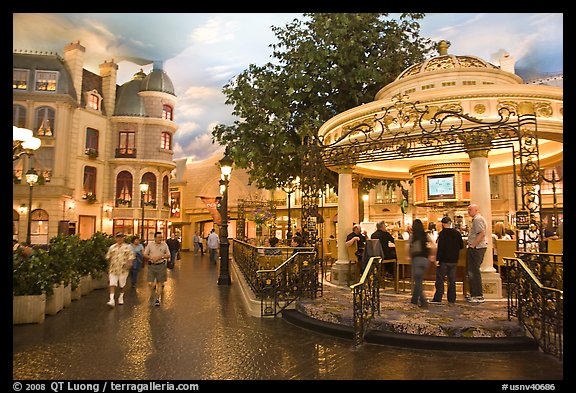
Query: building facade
{"x": 100, "y": 141}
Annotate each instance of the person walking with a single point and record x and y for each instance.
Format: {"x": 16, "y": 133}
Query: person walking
{"x": 477, "y": 245}
{"x": 138, "y": 263}
{"x": 157, "y": 254}
{"x": 449, "y": 244}
{"x": 174, "y": 247}
{"x": 197, "y": 243}
{"x": 422, "y": 251}
{"x": 120, "y": 258}
{"x": 213, "y": 242}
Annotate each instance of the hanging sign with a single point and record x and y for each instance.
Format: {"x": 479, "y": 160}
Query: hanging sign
{"x": 522, "y": 219}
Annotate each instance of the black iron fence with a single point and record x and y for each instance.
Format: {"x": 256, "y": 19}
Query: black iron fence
{"x": 278, "y": 275}
{"x": 536, "y": 297}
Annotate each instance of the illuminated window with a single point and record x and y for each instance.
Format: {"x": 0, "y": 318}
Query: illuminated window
{"x": 124, "y": 189}
{"x": 166, "y": 141}
{"x": 93, "y": 102}
{"x": 167, "y": 112}
{"x": 89, "y": 181}
{"x": 126, "y": 144}
{"x": 20, "y": 79}
{"x": 46, "y": 80}
{"x": 44, "y": 121}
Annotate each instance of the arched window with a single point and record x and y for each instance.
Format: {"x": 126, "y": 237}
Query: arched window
{"x": 150, "y": 196}
{"x": 39, "y": 227}
{"x": 165, "y": 198}
{"x": 166, "y": 141}
{"x": 124, "y": 189}
{"x": 19, "y": 116}
{"x": 167, "y": 112}
{"x": 44, "y": 121}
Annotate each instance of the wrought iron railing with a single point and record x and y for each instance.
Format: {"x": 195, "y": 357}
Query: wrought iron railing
{"x": 366, "y": 295}
{"x": 292, "y": 267}
{"x": 536, "y": 297}
{"x": 295, "y": 278}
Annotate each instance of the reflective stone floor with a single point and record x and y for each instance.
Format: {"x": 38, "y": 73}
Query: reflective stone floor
{"x": 202, "y": 331}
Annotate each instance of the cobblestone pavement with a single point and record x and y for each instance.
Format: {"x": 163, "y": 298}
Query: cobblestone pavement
{"x": 202, "y": 331}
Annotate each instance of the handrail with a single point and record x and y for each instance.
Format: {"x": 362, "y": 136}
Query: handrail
{"x": 294, "y": 278}
{"x": 366, "y": 298}
{"x": 538, "y": 307}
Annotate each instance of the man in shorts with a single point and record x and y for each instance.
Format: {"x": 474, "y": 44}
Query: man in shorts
{"x": 120, "y": 257}
{"x": 157, "y": 254}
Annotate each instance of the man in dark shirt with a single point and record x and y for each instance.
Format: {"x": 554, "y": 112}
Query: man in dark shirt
{"x": 385, "y": 239}
{"x": 449, "y": 245}
{"x": 358, "y": 237}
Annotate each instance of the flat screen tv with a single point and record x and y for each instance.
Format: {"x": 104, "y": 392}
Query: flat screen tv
{"x": 441, "y": 187}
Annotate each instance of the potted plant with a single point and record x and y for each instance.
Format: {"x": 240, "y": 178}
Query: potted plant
{"x": 32, "y": 281}
{"x": 91, "y": 152}
{"x": 89, "y": 197}
{"x": 126, "y": 202}
{"x": 97, "y": 247}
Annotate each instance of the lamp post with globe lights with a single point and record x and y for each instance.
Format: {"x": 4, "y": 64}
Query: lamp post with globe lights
{"x": 31, "y": 179}
{"x": 143, "y": 190}
{"x": 226, "y": 170}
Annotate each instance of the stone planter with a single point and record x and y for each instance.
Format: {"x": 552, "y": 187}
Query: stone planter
{"x": 86, "y": 284}
{"x": 100, "y": 282}
{"x": 28, "y": 309}
{"x": 76, "y": 294}
{"x": 55, "y": 302}
{"x": 67, "y": 296}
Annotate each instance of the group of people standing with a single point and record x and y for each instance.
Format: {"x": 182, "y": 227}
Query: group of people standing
{"x": 442, "y": 249}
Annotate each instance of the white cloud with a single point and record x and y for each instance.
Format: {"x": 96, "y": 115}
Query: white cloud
{"x": 214, "y": 30}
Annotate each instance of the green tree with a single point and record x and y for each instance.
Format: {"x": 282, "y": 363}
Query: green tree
{"x": 325, "y": 64}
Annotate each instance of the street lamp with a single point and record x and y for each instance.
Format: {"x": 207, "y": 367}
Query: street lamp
{"x": 226, "y": 170}
{"x": 289, "y": 188}
{"x": 23, "y": 142}
{"x": 143, "y": 190}
{"x": 31, "y": 179}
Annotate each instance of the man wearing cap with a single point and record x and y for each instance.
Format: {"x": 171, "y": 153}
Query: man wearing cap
{"x": 120, "y": 257}
{"x": 449, "y": 245}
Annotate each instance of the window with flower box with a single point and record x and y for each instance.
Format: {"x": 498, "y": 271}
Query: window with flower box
{"x": 19, "y": 79}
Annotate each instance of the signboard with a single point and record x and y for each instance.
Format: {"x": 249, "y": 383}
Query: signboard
{"x": 522, "y": 219}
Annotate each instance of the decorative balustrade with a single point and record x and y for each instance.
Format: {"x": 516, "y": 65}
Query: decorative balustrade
{"x": 536, "y": 297}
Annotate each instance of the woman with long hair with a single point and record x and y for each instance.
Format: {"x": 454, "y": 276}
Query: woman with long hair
{"x": 422, "y": 251}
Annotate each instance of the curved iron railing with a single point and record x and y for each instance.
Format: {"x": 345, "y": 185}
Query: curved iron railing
{"x": 536, "y": 297}
{"x": 295, "y": 278}
{"x": 366, "y": 298}
{"x": 278, "y": 276}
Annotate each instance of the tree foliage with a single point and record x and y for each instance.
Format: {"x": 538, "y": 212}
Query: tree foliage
{"x": 324, "y": 64}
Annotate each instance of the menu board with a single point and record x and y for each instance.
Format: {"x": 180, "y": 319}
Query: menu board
{"x": 441, "y": 187}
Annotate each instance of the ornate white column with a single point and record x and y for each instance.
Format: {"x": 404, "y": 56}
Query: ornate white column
{"x": 480, "y": 195}
{"x": 342, "y": 273}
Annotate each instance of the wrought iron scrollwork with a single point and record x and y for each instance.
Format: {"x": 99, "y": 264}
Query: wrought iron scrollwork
{"x": 366, "y": 298}
{"x": 536, "y": 297}
{"x": 405, "y": 129}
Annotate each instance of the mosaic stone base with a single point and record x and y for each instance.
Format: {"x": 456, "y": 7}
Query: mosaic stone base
{"x": 398, "y": 315}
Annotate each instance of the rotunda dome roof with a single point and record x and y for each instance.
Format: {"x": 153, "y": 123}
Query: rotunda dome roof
{"x": 445, "y": 61}
{"x": 128, "y": 102}
{"x": 158, "y": 80}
